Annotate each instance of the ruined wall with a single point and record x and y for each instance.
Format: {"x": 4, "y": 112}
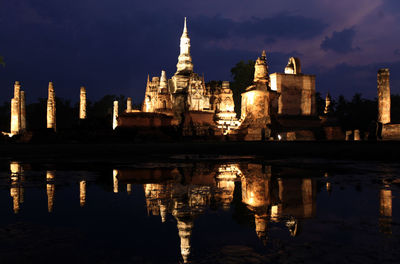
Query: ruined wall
{"x": 391, "y": 132}
{"x": 297, "y": 93}
{"x": 140, "y": 119}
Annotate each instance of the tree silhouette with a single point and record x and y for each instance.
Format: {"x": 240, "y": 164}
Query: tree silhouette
{"x": 243, "y": 74}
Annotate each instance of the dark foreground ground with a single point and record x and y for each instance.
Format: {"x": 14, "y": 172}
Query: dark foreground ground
{"x": 377, "y": 151}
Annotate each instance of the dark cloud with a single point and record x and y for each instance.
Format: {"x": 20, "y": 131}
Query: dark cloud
{"x": 111, "y": 46}
{"x": 278, "y": 26}
{"x": 348, "y": 79}
{"x": 340, "y": 42}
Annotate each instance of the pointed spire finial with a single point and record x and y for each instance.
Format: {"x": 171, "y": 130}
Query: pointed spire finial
{"x": 264, "y": 54}
{"x": 184, "y": 26}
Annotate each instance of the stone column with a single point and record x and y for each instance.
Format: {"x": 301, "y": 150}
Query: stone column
{"x": 129, "y": 105}
{"x": 129, "y": 188}
{"x": 82, "y": 103}
{"x": 115, "y": 115}
{"x": 16, "y": 110}
{"x": 357, "y": 135}
{"x": 383, "y": 96}
{"x": 51, "y": 108}
{"x": 14, "y": 117}
{"x": 23, "y": 111}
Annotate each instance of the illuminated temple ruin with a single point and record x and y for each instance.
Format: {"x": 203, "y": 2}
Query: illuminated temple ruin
{"x": 280, "y": 105}
{"x": 277, "y": 106}
{"x": 185, "y": 100}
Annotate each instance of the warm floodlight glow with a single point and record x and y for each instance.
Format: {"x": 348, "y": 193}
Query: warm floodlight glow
{"x": 279, "y": 137}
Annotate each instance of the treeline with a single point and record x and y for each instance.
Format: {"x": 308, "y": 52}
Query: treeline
{"x": 99, "y": 113}
{"x": 357, "y": 113}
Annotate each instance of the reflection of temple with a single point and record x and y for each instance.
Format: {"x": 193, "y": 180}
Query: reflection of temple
{"x": 186, "y": 194}
{"x": 276, "y": 199}
{"x": 16, "y": 189}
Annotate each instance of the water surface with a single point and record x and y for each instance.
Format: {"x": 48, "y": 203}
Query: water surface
{"x": 203, "y": 211}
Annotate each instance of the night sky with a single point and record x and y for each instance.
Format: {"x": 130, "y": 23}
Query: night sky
{"x": 111, "y": 45}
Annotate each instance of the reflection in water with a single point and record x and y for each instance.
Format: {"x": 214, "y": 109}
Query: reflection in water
{"x": 50, "y": 186}
{"x": 16, "y": 189}
{"x": 256, "y": 194}
{"x": 82, "y": 193}
{"x": 385, "y": 210}
{"x": 185, "y": 193}
{"x": 328, "y": 183}
{"x": 115, "y": 181}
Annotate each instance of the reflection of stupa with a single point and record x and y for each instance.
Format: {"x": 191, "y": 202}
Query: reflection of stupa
{"x": 16, "y": 189}
{"x": 276, "y": 199}
{"x": 256, "y": 194}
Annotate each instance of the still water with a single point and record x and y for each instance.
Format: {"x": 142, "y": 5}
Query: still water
{"x": 211, "y": 211}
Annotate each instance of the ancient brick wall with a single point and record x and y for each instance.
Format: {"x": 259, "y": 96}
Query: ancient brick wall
{"x": 297, "y": 93}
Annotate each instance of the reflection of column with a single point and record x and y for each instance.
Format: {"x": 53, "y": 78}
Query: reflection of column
{"x": 163, "y": 212}
{"x": 328, "y": 184}
{"x": 16, "y": 189}
{"x": 50, "y": 186}
{"x": 307, "y": 194}
{"x": 82, "y": 193}
{"x": 276, "y": 209}
{"x": 129, "y": 188}
{"x": 385, "y": 211}
{"x": 115, "y": 181}
{"x": 261, "y": 222}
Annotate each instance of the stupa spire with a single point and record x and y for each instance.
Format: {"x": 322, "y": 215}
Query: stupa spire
{"x": 185, "y": 27}
{"x": 185, "y": 64}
